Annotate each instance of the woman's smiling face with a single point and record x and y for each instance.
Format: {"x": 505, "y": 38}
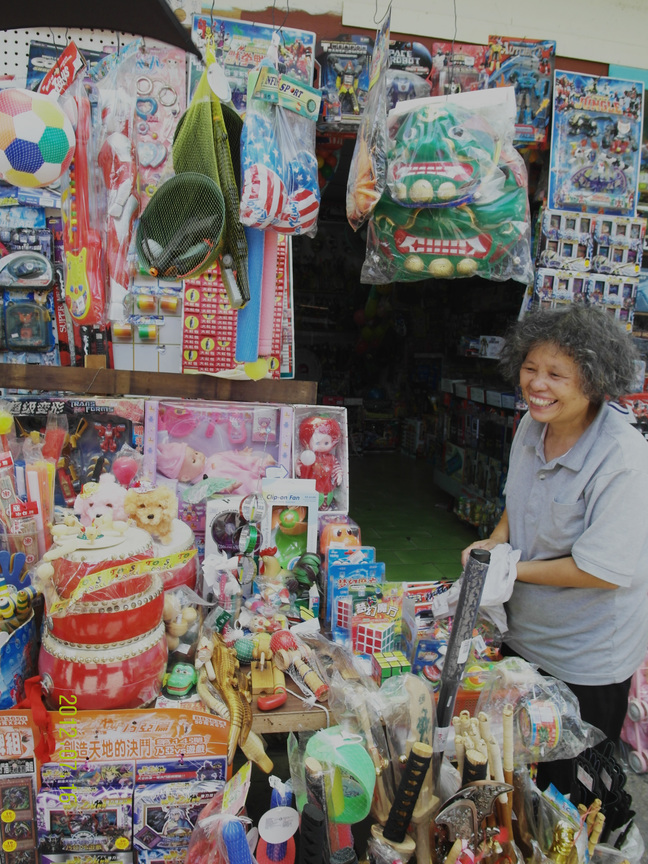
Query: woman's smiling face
{"x": 552, "y": 387}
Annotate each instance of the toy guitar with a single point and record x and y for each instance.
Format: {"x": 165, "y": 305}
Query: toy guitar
{"x": 84, "y": 289}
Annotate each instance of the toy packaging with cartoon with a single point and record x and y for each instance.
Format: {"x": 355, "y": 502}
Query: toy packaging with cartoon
{"x": 456, "y": 201}
{"x": 527, "y": 65}
{"x": 239, "y": 47}
{"x": 595, "y": 144}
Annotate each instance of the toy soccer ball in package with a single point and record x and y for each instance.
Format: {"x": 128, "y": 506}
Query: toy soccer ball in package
{"x": 455, "y": 203}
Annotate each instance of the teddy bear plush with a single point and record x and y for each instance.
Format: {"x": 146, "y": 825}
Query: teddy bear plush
{"x": 102, "y": 498}
{"x": 153, "y": 509}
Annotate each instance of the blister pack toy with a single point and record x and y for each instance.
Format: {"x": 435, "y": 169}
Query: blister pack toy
{"x": 565, "y": 240}
{"x": 558, "y": 287}
{"x": 595, "y": 144}
{"x": 160, "y": 81}
{"x": 457, "y": 68}
{"x": 27, "y": 283}
{"x": 456, "y": 200}
{"x": 345, "y": 64}
{"x": 618, "y": 245}
{"x": 117, "y": 158}
{"x": 413, "y": 57}
{"x": 95, "y": 432}
{"x": 527, "y": 65}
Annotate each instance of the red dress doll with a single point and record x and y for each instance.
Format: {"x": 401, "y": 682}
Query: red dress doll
{"x": 319, "y": 436}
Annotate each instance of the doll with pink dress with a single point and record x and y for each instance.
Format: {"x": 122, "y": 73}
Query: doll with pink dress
{"x": 319, "y": 437}
{"x": 244, "y": 468}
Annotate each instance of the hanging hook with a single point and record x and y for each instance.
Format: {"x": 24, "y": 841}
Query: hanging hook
{"x": 387, "y": 11}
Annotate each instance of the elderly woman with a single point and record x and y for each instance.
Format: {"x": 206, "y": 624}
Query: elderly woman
{"x": 577, "y": 508}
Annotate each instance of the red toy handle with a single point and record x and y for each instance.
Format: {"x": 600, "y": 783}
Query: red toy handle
{"x": 272, "y": 700}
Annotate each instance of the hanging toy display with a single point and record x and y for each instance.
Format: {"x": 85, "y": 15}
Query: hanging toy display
{"x": 279, "y": 166}
{"x": 456, "y": 201}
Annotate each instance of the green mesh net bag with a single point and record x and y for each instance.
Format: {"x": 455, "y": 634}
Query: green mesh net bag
{"x": 193, "y": 218}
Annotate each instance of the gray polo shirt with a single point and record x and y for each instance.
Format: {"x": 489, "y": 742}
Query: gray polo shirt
{"x": 591, "y": 503}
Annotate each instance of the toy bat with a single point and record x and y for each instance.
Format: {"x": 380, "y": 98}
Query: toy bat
{"x": 456, "y": 656}
{"x": 84, "y": 288}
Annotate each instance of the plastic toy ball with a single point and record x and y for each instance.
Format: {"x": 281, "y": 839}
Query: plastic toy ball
{"x": 36, "y": 138}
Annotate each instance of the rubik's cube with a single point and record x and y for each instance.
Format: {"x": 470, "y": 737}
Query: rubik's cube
{"x": 343, "y": 613}
{"x": 386, "y": 664}
{"x": 374, "y": 636}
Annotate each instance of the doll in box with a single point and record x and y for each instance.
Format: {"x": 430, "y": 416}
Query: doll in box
{"x": 319, "y": 437}
{"x": 243, "y": 468}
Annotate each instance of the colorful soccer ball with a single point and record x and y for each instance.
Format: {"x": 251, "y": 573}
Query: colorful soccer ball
{"x": 36, "y": 138}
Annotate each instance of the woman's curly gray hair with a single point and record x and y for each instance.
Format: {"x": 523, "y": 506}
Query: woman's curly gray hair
{"x": 603, "y": 351}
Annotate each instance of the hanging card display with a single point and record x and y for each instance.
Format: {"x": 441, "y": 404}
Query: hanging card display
{"x": 595, "y": 144}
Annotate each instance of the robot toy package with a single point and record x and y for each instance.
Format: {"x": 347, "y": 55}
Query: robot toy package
{"x": 527, "y": 65}
{"x": 345, "y": 66}
{"x": 595, "y": 144}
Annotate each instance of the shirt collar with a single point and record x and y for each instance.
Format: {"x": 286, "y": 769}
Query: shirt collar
{"x": 574, "y": 458}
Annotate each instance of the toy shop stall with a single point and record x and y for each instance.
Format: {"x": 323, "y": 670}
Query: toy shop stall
{"x": 181, "y": 582}
{"x": 201, "y": 661}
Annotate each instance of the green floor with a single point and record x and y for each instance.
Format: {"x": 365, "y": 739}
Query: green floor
{"x": 410, "y": 522}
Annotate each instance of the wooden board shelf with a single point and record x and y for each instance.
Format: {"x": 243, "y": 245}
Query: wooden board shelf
{"x": 83, "y": 381}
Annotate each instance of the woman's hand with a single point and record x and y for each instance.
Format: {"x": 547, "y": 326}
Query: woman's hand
{"x": 499, "y": 535}
{"x": 489, "y": 544}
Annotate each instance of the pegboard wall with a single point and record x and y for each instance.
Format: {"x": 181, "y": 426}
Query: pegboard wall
{"x": 14, "y": 46}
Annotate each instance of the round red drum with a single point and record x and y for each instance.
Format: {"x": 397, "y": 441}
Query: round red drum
{"x": 102, "y": 554}
{"x": 122, "y": 675}
{"x": 182, "y": 574}
{"x": 104, "y": 621}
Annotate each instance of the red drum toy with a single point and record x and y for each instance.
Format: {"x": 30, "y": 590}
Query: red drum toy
{"x": 184, "y": 573}
{"x": 99, "y": 554}
{"x": 124, "y": 674}
{"x": 133, "y": 609}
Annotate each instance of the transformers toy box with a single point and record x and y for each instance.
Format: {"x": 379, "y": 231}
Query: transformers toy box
{"x": 345, "y": 64}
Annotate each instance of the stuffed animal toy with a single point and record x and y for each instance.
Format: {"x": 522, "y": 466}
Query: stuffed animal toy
{"x": 153, "y": 509}
{"x": 105, "y": 497}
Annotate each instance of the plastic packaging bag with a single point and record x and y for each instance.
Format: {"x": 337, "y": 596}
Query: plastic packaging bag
{"x": 366, "y": 181}
{"x": 498, "y": 587}
{"x": 117, "y": 159}
{"x": 456, "y": 202}
{"x": 278, "y": 162}
{"x": 546, "y": 716}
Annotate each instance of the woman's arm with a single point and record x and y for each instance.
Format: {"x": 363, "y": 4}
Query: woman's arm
{"x": 500, "y": 535}
{"x": 561, "y": 572}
